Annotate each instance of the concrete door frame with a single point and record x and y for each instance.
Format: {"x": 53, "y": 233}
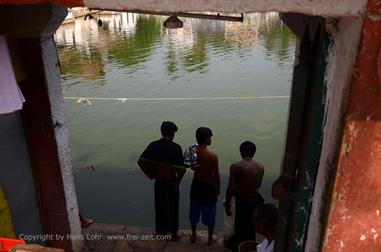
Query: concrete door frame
{"x": 343, "y": 22}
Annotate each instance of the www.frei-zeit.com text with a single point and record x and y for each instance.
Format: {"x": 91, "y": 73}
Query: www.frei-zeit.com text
{"x": 126, "y": 237}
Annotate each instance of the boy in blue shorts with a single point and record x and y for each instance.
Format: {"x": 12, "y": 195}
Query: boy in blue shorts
{"x": 205, "y": 186}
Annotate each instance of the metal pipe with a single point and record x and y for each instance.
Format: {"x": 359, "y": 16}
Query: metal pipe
{"x": 182, "y": 14}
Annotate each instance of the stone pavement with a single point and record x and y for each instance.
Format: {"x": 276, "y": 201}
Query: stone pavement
{"x": 110, "y": 237}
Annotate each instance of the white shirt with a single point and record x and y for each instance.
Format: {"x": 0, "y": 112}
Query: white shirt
{"x": 264, "y": 246}
{"x": 11, "y": 98}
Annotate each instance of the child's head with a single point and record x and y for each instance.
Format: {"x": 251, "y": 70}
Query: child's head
{"x": 247, "y": 149}
{"x": 203, "y": 135}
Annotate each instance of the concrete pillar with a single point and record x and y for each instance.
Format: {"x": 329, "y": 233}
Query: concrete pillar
{"x": 354, "y": 222}
{"x": 345, "y": 36}
{"x": 44, "y": 118}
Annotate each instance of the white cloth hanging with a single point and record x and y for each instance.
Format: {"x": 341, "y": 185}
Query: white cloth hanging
{"x": 11, "y": 98}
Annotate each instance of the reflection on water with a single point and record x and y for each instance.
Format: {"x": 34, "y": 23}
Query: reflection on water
{"x": 132, "y": 51}
{"x": 133, "y": 56}
{"x": 128, "y": 40}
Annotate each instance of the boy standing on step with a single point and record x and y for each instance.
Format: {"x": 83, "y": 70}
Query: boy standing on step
{"x": 244, "y": 181}
{"x": 163, "y": 161}
{"x": 205, "y": 186}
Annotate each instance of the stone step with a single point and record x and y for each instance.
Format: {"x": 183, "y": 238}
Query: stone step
{"x": 118, "y": 238}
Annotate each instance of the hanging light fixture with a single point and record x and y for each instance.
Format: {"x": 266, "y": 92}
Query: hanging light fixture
{"x": 99, "y": 19}
{"x": 173, "y": 22}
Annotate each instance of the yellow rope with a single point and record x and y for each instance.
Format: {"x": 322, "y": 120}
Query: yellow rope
{"x": 86, "y": 100}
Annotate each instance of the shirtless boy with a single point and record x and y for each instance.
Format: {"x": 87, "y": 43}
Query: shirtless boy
{"x": 244, "y": 181}
{"x": 205, "y": 186}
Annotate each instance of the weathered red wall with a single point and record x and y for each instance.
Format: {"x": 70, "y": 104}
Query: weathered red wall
{"x": 355, "y": 217}
{"x": 67, "y": 3}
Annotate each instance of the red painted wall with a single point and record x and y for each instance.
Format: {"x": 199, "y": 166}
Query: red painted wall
{"x": 67, "y": 3}
{"x": 355, "y": 217}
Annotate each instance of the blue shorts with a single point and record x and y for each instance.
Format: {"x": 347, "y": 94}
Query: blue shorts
{"x": 207, "y": 212}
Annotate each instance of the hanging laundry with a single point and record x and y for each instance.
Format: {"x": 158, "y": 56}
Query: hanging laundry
{"x": 11, "y": 98}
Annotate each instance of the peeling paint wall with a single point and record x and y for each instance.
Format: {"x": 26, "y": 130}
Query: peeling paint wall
{"x": 354, "y": 220}
{"x": 324, "y": 8}
{"x": 345, "y": 35}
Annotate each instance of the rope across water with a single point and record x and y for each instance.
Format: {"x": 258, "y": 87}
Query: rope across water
{"x": 124, "y": 99}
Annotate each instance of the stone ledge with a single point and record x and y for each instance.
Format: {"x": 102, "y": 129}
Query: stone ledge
{"x": 102, "y": 243}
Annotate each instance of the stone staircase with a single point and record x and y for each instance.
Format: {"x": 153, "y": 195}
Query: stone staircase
{"x": 117, "y": 238}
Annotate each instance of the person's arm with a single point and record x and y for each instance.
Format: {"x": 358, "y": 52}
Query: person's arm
{"x": 231, "y": 190}
{"x": 147, "y": 168}
{"x": 180, "y": 171}
{"x": 261, "y": 177}
{"x": 217, "y": 176}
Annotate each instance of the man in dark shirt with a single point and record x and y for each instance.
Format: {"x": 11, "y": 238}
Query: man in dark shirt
{"x": 244, "y": 181}
{"x": 205, "y": 186}
{"x": 162, "y": 160}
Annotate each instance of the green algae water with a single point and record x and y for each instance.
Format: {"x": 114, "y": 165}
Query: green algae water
{"x": 132, "y": 74}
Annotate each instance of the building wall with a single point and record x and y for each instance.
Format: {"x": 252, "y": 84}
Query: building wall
{"x": 16, "y": 176}
{"x": 43, "y": 118}
{"x": 345, "y": 35}
{"x": 354, "y": 222}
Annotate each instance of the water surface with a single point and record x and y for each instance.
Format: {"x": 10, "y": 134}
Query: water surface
{"x": 133, "y": 56}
